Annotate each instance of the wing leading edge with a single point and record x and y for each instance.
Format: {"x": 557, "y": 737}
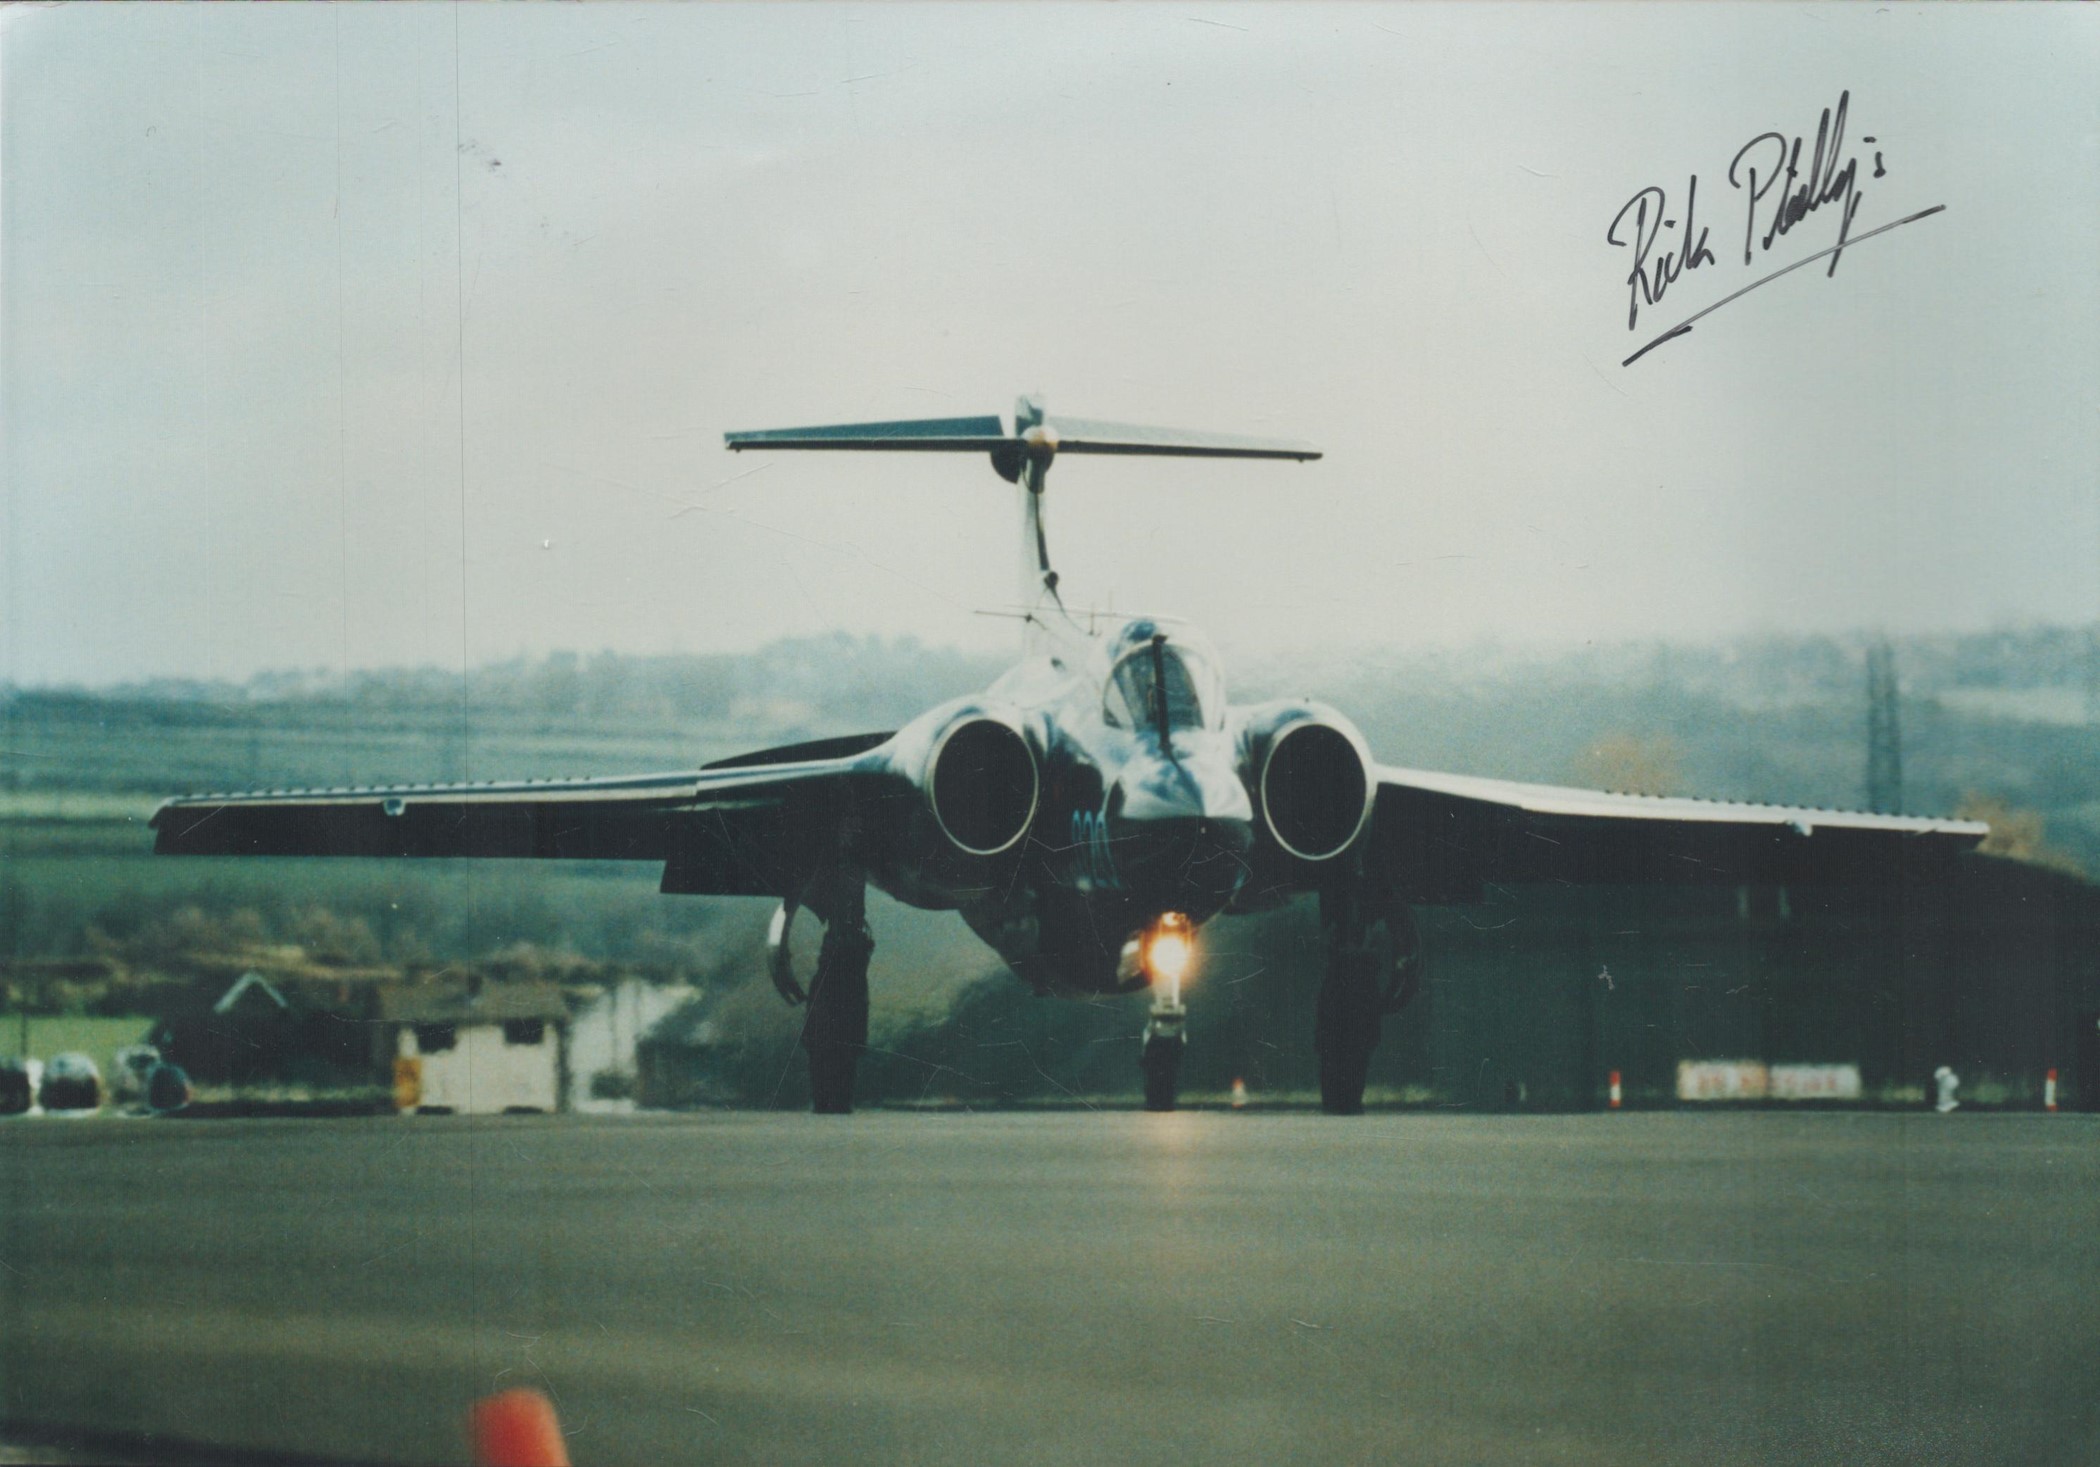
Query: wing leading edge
{"x": 743, "y": 827}
{"x": 1442, "y": 836}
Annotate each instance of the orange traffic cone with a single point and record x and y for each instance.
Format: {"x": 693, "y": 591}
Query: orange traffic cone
{"x": 516, "y": 1429}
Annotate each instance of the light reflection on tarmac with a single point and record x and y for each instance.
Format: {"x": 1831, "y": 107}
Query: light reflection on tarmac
{"x": 1068, "y": 1287}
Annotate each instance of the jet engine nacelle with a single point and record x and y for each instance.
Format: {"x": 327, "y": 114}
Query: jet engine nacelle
{"x": 977, "y": 771}
{"x": 982, "y": 784}
{"x": 978, "y": 776}
{"x": 1310, "y": 776}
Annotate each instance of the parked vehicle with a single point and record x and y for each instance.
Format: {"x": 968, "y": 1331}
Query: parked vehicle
{"x": 17, "y": 1087}
{"x": 71, "y": 1083}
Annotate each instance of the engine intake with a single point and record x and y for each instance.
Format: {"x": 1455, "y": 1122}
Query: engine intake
{"x": 1315, "y": 790}
{"x": 983, "y": 785}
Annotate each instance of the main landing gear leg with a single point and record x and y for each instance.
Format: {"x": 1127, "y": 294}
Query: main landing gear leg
{"x": 1160, "y": 1058}
{"x": 1367, "y": 978}
{"x": 835, "y": 1029}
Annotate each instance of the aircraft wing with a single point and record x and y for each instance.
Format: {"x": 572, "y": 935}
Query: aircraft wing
{"x": 740, "y": 827}
{"x": 1443, "y": 835}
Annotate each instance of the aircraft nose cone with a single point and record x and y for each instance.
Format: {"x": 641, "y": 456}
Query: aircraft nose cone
{"x": 1163, "y": 790}
{"x": 1193, "y": 864}
{"x": 1181, "y": 840}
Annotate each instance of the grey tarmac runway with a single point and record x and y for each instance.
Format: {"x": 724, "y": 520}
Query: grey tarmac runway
{"x": 1068, "y": 1287}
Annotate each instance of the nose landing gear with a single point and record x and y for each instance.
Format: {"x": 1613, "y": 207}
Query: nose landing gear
{"x": 1160, "y": 1057}
{"x": 1164, "y": 954}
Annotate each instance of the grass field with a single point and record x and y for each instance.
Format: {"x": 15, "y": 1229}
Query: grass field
{"x": 98, "y": 1039}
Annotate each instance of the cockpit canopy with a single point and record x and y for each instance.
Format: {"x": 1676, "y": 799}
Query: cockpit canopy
{"x": 1149, "y": 661}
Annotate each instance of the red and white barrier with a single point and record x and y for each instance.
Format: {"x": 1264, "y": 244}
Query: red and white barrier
{"x": 2049, "y": 1092}
{"x": 1615, "y": 1092}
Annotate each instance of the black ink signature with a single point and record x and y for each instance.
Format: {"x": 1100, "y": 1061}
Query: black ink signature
{"x": 1644, "y": 288}
{"x": 1768, "y": 167}
{"x": 1826, "y": 182}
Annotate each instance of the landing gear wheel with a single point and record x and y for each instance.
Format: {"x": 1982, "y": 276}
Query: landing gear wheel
{"x": 832, "y": 1064}
{"x": 835, "y": 1032}
{"x": 1160, "y": 1060}
{"x": 1374, "y": 967}
{"x": 1345, "y": 1032}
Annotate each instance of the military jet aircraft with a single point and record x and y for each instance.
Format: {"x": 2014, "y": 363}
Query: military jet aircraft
{"x": 1086, "y": 815}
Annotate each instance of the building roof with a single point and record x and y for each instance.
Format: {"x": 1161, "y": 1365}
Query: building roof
{"x": 467, "y": 1001}
{"x": 249, "y": 982}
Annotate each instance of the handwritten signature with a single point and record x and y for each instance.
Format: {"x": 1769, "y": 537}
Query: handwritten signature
{"x": 1778, "y": 189}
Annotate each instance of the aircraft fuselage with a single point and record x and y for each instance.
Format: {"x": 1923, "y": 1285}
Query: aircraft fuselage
{"x": 1144, "y": 804}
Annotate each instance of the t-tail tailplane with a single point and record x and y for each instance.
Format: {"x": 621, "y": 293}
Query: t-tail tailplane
{"x": 1022, "y": 455}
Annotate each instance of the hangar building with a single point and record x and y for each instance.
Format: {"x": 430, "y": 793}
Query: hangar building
{"x": 1537, "y": 995}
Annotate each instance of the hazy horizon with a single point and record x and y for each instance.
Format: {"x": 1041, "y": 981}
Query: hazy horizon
{"x": 1494, "y": 656}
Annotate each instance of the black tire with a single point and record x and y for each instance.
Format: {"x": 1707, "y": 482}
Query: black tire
{"x": 1160, "y": 1060}
{"x": 834, "y": 1042}
{"x": 15, "y": 1094}
{"x": 831, "y": 1072}
{"x": 1344, "y": 1035}
{"x": 70, "y": 1094}
{"x": 835, "y": 1030}
{"x": 167, "y": 1089}
{"x": 1344, "y": 1070}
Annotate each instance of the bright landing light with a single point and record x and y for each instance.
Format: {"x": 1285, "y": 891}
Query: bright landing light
{"x": 1170, "y": 947}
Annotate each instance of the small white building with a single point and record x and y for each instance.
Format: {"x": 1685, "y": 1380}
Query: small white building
{"x": 604, "y": 1036}
{"x": 468, "y": 1047}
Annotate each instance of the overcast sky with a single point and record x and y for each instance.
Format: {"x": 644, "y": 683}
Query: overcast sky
{"x": 351, "y": 336}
